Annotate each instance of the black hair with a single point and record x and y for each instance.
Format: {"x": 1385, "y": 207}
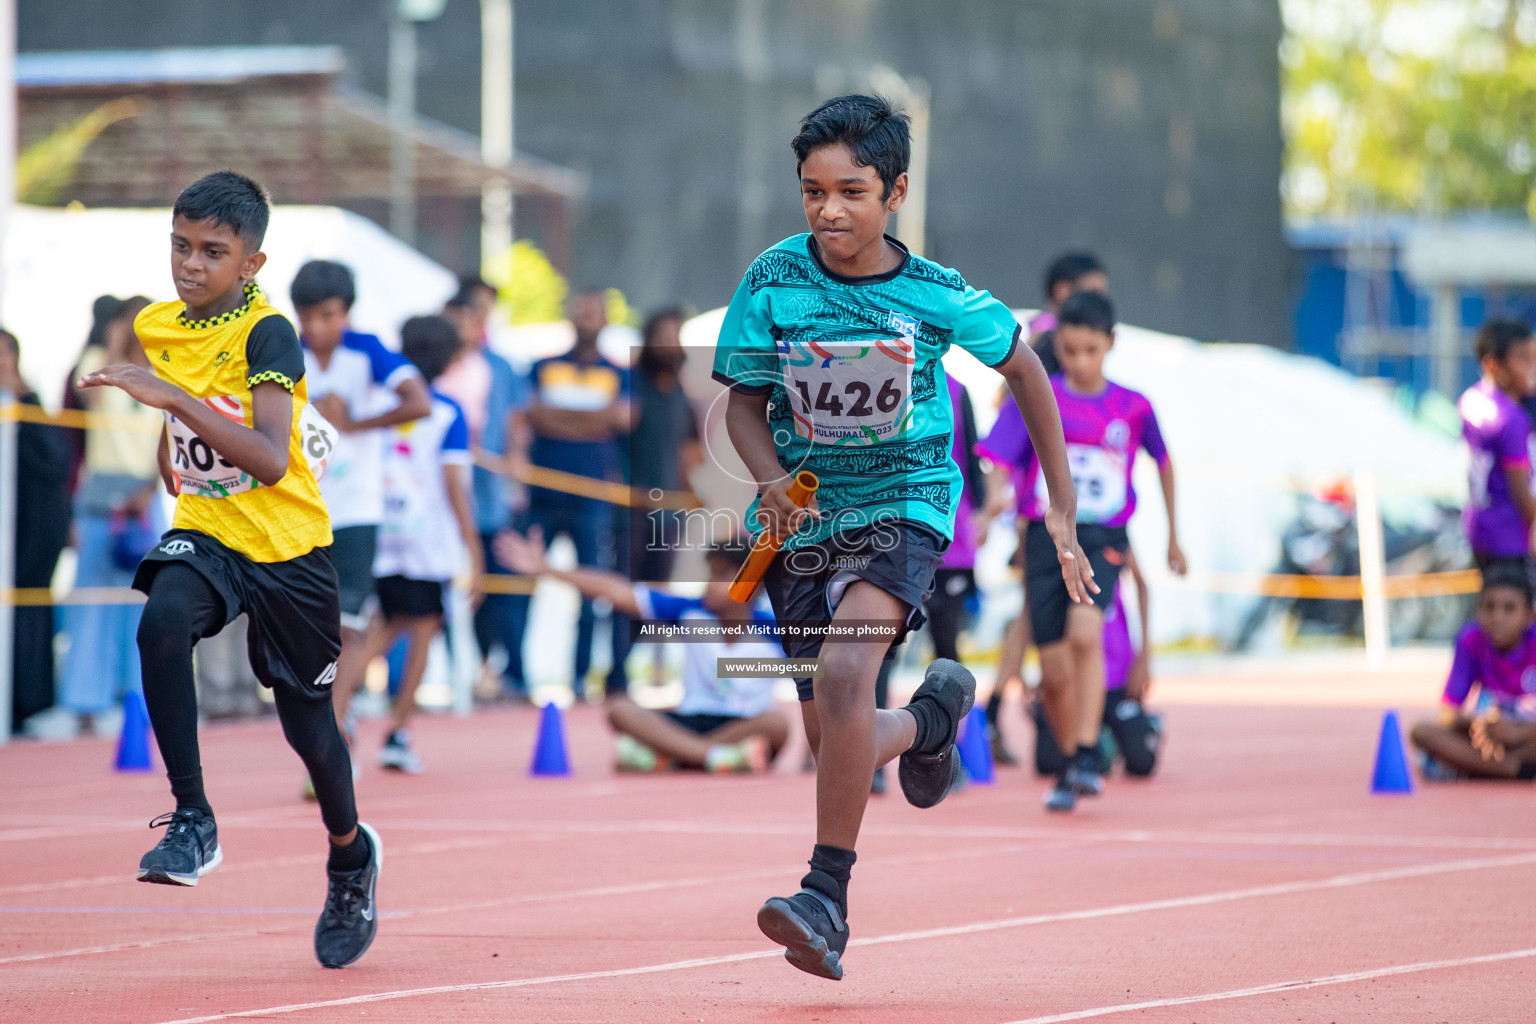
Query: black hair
{"x": 1088, "y": 309}
{"x": 876, "y": 133}
{"x": 1069, "y": 268}
{"x": 655, "y": 320}
{"x": 430, "y": 343}
{"x": 465, "y": 296}
{"x": 1513, "y": 576}
{"x": 103, "y": 311}
{"x": 230, "y": 199}
{"x": 1496, "y": 337}
{"x": 319, "y": 280}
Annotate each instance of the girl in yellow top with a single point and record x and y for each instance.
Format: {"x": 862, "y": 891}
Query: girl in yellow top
{"x": 251, "y": 535}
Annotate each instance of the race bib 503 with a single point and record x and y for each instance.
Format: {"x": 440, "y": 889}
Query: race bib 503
{"x": 200, "y": 471}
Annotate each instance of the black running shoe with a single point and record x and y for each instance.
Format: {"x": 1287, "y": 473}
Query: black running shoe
{"x": 810, "y": 928}
{"x": 927, "y": 778}
{"x": 1084, "y": 776}
{"x": 1061, "y": 797}
{"x": 350, "y": 919}
{"x": 877, "y": 784}
{"x": 187, "y": 852}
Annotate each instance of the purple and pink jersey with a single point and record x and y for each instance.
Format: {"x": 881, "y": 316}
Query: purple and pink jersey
{"x": 1507, "y": 678}
{"x": 1498, "y": 432}
{"x": 961, "y": 553}
{"x": 1103, "y": 432}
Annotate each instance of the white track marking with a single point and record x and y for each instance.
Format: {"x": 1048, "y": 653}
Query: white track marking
{"x": 1285, "y": 986}
{"x": 1203, "y": 899}
{"x": 548, "y": 897}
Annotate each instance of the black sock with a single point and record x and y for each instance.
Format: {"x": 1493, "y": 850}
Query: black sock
{"x": 932, "y": 726}
{"x": 994, "y": 705}
{"x": 188, "y": 791}
{"x": 830, "y": 868}
{"x": 352, "y": 857}
{"x": 1087, "y": 757}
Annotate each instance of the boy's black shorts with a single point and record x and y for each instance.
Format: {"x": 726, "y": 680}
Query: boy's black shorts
{"x": 806, "y": 585}
{"x": 703, "y": 724}
{"x": 294, "y": 635}
{"x": 1046, "y": 591}
{"x": 401, "y": 596}
{"x": 352, "y": 551}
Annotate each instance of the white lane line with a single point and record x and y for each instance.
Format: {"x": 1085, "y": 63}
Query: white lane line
{"x": 633, "y": 888}
{"x": 1285, "y": 986}
{"x": 1203, "y": 899}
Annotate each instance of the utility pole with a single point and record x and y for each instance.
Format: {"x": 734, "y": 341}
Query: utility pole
{"x": 913, "y": 95}
{"x": 404, "y": 17}
{"x": 7, "y": 125}
{"x": 498, "y": 83}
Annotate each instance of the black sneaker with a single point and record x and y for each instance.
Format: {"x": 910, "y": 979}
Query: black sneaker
{"x": 1061, "y": 797}
{"x": 350, "y": 919}
{"x": 927, "y": 778}
{"x": 810, "y": 928}
{"x": 1084, "y": 776}
{"x": 187, "y": 852}
{"x": 877, "y": 784}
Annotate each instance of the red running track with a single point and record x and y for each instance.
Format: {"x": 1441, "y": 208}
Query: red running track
{"x": 1254, "y": 880}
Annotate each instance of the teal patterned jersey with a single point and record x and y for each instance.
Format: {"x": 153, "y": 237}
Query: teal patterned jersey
{"x": 853, "y": 371}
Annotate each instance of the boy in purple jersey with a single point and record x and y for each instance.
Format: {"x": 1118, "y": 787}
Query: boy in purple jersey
{"x": 1105, "y": 424}
{"x": 1501, "y": 509}
{"x": 1497, "y": 651}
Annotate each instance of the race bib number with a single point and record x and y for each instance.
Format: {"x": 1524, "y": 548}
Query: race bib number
{"x": 850, "y": 393}
{"x": 1099, "y": 476}
{"x": 200, "y": 471}
{"x": 319, "y": 440}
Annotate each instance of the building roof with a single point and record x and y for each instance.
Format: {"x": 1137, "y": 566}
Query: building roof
{"x": 280, "y": 113}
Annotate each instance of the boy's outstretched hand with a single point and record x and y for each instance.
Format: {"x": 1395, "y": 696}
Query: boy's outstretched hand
{"x": 522, "y": 554}
{"x": 780, "y": 516}
{"x": 141, "y": 384}
{"x": 1075, "y": 569}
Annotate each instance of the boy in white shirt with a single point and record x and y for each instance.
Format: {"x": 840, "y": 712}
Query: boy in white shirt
{"x": 426, "y": 504}
{"x": 722, "y": 725}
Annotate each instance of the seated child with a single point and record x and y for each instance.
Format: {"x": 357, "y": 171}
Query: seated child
{"x": 1133, "y": 733}
{"x": 1498, "y": 652}
{"x": 722, "y": 725}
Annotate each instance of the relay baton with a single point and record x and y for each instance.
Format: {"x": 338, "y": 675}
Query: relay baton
{"x": 751, "y": 574}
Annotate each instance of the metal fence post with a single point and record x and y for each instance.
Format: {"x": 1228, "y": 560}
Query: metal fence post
{"x": 1373, "y": 570}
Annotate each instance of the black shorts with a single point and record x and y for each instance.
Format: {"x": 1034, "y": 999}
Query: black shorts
{"x": 352, "y": 553}
{"x": 805, "y": 585}
{"x": 1046, "y": 592}
{"x": 401, "y": 596}
{"x": 703, "y": 724}
{"x": 294, "y": 633}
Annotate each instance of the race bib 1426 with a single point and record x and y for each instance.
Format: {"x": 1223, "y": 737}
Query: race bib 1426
{"x": 850, "y": 392}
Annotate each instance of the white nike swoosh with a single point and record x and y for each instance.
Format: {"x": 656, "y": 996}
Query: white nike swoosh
{"x": 368, "y": 914}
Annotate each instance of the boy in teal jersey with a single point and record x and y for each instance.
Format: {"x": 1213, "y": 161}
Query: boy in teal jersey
{"x": 831, "y": 349}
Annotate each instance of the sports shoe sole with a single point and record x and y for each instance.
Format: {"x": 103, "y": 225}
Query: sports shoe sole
{"x": 171, "y": 878}
{"x": 373, "y": 906}
{"x": 803, "y": 946}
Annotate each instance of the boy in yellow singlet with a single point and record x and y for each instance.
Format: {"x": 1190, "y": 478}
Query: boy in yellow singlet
{"x": 242, "y": 453}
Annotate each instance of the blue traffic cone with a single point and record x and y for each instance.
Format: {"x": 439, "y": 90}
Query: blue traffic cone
{"x": 549, "y": 757}
{"x": 1391, "y": 775}
{"x": 133, "y": 743}
{"x": 975, "y": 751}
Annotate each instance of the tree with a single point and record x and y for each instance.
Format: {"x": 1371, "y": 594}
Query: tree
{"x": 1409, "y": 105}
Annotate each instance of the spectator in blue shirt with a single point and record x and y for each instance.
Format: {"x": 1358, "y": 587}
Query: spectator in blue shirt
{"x": 577, "y": 415}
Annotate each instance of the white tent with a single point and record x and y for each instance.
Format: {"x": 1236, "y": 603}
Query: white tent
{"x": 57, "y": 261}
{"x": 1248, "y": 427}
